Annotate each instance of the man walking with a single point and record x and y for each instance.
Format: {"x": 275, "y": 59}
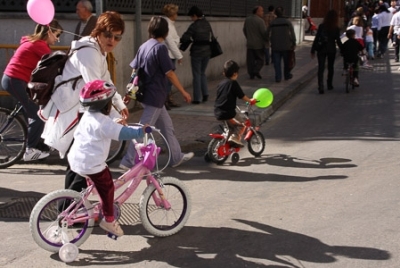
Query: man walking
{"x": 254, "y": 30}
{"x": 394, "y": 31}
{"x": 87, "y": 21}
{"x": 283, "y": 40}
{"x": 270, "y": 16}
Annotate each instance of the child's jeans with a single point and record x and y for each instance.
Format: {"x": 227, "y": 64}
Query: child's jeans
{"x": 369, "y": 46}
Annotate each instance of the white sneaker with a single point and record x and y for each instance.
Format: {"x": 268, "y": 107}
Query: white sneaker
{"x": 123, "y": 167}
{"x": 34, "y": 154}
{"x": 186, "y": 157}
{"x": 355, "y": 82}
{"x": 112, "y": 227}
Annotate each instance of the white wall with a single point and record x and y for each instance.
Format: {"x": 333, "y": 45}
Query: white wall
{"x": 227, "y": 30}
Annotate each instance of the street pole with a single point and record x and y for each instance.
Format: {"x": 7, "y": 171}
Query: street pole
{"x": 138, "y": 25}
{"x": 99, "y": 7}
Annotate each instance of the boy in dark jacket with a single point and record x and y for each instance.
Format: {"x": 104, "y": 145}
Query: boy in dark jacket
{"x": 350, "y": 50}
{"x": 225, "y": 104}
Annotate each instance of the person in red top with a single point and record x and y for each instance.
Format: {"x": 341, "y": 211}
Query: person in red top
{"x": 17, "y": 74}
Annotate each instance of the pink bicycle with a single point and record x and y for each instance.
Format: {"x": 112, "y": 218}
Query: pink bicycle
{"x": 64, "y": 219}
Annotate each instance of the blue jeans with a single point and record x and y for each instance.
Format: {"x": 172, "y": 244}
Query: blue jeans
{"x": 17, "y": 89}
{"x": 277, "y": 57}
{"x": 199, "y": 66}
{"x": 370, "y": 49}
{"x": 159, "y": 118}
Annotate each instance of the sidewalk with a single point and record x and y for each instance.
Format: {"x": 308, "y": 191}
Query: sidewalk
{"x": 193, "y": 123}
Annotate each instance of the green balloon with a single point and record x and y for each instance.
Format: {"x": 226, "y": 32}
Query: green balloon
{"x": 264, "y": 97}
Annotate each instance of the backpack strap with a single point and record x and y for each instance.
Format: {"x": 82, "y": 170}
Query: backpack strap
{"x": 77, "y": 78}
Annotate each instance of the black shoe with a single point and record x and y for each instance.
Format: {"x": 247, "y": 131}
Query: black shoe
{"x": 277, "y": 80}
{"x": 289, "y": 77}
{"x": 258, "y": 75}
{"x": 195, "y": 102}
{"x": 330, "y": 87}
{"x": 205, "y": 98}
{"x": 321, "y": 91}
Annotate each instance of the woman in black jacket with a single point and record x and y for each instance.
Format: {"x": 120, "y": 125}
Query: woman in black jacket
{"x": 328, "y": 35}
{"x": 198, "y": 33}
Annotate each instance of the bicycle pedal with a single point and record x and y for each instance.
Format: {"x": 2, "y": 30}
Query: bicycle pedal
{"x": 111, "y": 235}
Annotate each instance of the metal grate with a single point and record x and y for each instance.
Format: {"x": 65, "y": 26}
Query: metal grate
{"x": 20, "y": 208}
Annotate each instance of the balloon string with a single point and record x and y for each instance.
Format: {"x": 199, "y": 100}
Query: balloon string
{"x": 64, "y": 31}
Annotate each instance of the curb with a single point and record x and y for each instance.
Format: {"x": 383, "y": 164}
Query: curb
{"x": 201, "y": 144}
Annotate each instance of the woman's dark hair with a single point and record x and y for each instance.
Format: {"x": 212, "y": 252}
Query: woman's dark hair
{"x": 108, "y": 21}
{"x": 158, "y": 27}
{"x": 279, "y": 12}
{"x": 254, "y": 11}
{"x": 230, "y": 67}
{"x": 271, "y": 8}
{"x": 331, "y": 20}
{"x": 350, "y": 33}
{"x": 194, "y": 10}
{"x": 383, "y": 8}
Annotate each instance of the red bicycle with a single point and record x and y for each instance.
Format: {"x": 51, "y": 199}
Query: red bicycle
{"x": 219, "y": 148}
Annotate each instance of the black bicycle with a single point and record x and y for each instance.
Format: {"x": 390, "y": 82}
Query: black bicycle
{"x": 13, "y": 135}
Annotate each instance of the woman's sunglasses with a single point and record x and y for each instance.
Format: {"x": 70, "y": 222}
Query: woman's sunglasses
{"x": 109, "y": 35}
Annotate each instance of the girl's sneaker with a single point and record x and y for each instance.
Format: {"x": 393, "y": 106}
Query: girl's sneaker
{"x": 34, "y": 154}
{"x": 112, "y": 227}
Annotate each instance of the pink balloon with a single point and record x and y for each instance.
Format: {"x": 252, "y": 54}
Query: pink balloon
{"x": 41, "y": 11}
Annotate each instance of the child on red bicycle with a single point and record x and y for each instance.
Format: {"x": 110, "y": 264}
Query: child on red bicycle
{"x": 92, "y": 139}
{"x": 350, "y": 50}
{"x": 225, "y": 104}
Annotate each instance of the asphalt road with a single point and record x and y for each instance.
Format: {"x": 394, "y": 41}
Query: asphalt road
{"x": 323, "y": 194}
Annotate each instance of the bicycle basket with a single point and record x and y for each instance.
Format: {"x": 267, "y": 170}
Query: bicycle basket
{"x": 150, "y": 153}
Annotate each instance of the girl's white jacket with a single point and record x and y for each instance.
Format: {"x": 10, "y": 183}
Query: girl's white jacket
{"x": 61, "y": 112}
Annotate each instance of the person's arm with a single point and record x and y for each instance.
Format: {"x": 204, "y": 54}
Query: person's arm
{"x": 130, "y": 132}
{"x": 186, "y": 38}
{"x": 172, "y": 46}
{"x": 247, "y": 99}
{"x": 338, "y": 39}
{"x": 390, "y": 33}
{"x": 175, "y": 81}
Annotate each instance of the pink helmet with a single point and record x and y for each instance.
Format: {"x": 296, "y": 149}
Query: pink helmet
{"x": 96, "y": 94}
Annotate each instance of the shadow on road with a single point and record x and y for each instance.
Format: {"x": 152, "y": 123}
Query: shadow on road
{"x": 265, "y": 246}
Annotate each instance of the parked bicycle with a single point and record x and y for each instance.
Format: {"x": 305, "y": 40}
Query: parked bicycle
{"x": 62, "y": 220}
{"x": 219, "y": 148}
{"x": 13, "y": 135}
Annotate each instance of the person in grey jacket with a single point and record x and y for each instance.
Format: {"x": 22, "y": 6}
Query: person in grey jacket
{"x": 254, "y": 30}
{"x": 283, "y": 39}
{"x": 198, "y": 34}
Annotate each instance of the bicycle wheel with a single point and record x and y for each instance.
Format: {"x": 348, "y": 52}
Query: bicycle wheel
{"x": 45, "y": 221}
{"x": 256, "y": 143}
{"x": 116, "y": 149}
{"x": 159, "y": 221}
{"x": 213, "y": 150}
{"x": 12, "y": 138}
